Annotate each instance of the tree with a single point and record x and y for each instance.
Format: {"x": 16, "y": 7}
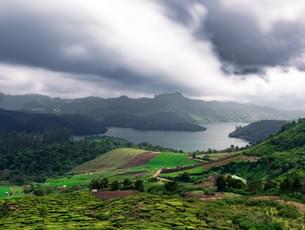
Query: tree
{"x": 139, "y": 185}
{"x": 255, "y": 185}
{"x": 171, "y": 186}
{"x": 104, "y": 183}
{"x": 127, "y": 184}
{"x": 185, "y": 177}
{"x": 270, "y": 184}
{"x": 115, "y": 185}
{"x": 221, "y": 183}
{"x": 94, "y": 184}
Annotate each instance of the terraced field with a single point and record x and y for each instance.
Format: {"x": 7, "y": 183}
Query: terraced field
{"x": 193, "y": 171}
{"x": 111, "y": 160}
{"x": 168, "y": 160}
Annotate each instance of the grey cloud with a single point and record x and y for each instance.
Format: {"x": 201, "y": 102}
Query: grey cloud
{"x": 240, "y": 41}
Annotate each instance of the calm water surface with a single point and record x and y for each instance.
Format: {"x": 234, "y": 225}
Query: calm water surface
{"x": 215, "y": 137}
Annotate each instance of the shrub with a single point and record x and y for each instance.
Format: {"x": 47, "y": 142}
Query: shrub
{"x": 171, "y": 186}
{"x": 139, "y": 185}
{"x": 115, "y": 185}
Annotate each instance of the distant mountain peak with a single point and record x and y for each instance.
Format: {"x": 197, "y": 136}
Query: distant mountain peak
{"x": 170, "y": 95}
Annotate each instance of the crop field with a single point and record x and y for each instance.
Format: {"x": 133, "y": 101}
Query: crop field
{"x": 15, "y": 190}
{"x": 144, "y": 211}
{"x": 168, "y": 160}
{"x": 111, "y": 160}
{"x": 193, "y": 171}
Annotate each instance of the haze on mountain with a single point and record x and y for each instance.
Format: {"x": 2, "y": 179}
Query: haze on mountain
{"x": 170, "y": 111}
{"x": 225, "y": 50}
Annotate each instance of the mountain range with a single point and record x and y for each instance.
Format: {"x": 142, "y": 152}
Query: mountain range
{"x": 170, "y": 111}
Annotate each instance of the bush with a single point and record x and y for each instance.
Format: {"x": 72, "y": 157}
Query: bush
{"x": 184, "y": 177}
{"x": 139, "y": 185}
{"x": 115, "y": 185}
{"x": 221, "y": 183}
{"x": 171, "y": 186}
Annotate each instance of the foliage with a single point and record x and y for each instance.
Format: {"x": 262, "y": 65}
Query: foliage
{"x": 29, "y": 158}
{"x": 83, "y": 211}
{"x": 259, "y": 130}
{"x": 13, "y": 121}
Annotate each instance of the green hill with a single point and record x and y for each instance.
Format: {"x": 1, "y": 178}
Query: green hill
{"x": 259, "y": 130}
{"x": 281, "y": 167}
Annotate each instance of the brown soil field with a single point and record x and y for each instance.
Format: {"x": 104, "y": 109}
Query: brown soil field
{"x": 140, "y": 160}
{"x": 106, "y": 195}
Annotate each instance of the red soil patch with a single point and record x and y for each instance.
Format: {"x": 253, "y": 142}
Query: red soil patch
{"x": 106, "y": 195}
{"x": 141, "y": 159}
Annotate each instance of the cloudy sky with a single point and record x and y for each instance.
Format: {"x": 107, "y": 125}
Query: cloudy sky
{"x": 232, "y": 50}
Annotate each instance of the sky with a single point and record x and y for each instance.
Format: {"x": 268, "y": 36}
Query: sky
{"x": 229, "y": 50}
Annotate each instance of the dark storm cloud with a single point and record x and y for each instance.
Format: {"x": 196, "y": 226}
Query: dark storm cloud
{"x": 41, "y": 42}
{"x": 238, "y": 39}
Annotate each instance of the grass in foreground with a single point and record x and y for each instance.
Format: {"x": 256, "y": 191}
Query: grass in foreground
{"x": 144, "y": 211}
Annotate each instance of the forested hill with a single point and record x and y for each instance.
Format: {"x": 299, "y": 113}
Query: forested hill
{"x": 32, "y": 123}
{"x": 258, "y": 131}
{"x": 152, "y": 112}
{"x": 281, "y": 167}
{"x": 292, "y": 136}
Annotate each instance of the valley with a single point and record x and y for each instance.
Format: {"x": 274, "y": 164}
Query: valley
{"x": 155, "y": 187}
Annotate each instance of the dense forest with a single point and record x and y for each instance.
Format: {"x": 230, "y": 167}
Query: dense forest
{"x": 31, "y": 122}
{"x": 28, "y": 157}
{"x": 258, "y": 131}
{"x": 281, "y": 167}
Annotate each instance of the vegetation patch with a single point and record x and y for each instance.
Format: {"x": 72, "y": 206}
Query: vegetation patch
{"x": 140, "y": 159}
{"x": 114, "y": 194}
{"x": 169, "y": 160}
{"x": 143, "y": 211}
{"x": 110, "y": 160}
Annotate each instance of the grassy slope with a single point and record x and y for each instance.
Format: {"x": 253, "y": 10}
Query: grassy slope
{"x": 111, "y": 160}
{"x": 15, "y": 190}
{"x": 83, "y": 211}
{"x": 168, "y": 160}
{"x": 197, "y": 170}
{"x": 282, "y": 155}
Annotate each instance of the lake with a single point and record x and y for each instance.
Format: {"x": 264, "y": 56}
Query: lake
{"x": 215, "y": 137}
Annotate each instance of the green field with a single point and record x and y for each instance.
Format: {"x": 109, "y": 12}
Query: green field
{"x": 168, "y": 160}
{"x": 197, "y": 170}
{"x": 111, "y": 160}
{"x": 15, "y": 190}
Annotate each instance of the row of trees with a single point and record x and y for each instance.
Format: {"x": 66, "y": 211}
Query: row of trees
{"x": 104, "y": 184}
{"x": 294, "y": 182}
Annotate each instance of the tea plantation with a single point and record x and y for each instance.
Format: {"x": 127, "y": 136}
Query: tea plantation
{"x": 81, "y": 210}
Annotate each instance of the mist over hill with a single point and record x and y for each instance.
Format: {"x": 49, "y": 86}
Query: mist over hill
{"x": 171, "y": 111}
{"x": 14, "y": 121}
